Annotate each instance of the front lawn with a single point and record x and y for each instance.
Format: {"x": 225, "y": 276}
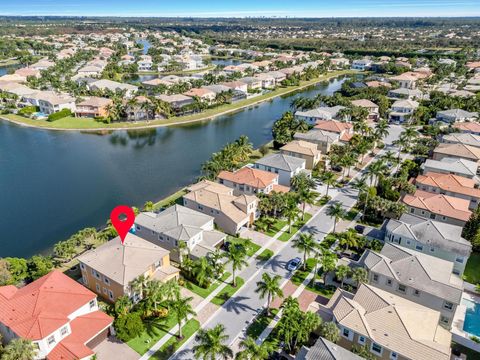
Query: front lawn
{"x": 276, "y": 227}
{"x": 351, "y": 214}
{"x": 472, "y": 269}
{"x": 227, "y": 292}
{"x": 265, "y": 255}
{"x": 295, "y": 227}
{"x": 173, "y": 344}
{"x": 249, "y": 245}
{"x": 200, "y": 291}
{"x": 321, "y": 289}
{"x": 155, "y": 330}
{"x": 260, "y": 323}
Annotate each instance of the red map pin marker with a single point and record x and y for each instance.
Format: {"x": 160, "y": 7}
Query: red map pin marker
{"x": 122, "y": 226}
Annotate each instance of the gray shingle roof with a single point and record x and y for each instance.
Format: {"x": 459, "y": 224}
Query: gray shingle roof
{"x": 430, "y": 232}
{"x": 460, "y": 166}
{"x": 417, "y": 270}
{"x": 281, "y": 161}
{"x": 326, "y": 350}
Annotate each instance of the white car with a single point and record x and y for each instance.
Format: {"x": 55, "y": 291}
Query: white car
{"x": 294, "y": 264}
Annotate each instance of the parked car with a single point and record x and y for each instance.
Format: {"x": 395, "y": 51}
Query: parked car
{"x": 294, "y": 264}
{"x": 359, "y": 228}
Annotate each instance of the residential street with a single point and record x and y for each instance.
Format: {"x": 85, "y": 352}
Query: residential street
{"x": 241, "y": 309}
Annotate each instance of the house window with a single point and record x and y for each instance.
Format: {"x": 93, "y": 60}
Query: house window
{"x": 51, "y": 340}
{"x": 432, "y": 216}
{"x": 361, "y": 340}
{"x": 448, "y": 305}
{"x": 459, "y": 259}
{"x": 416, "y": 293}
{"x": 432, "y": 249}
{"x": 419, "y": 247}
{"x": 412, "y": 210}
{"x": 82, "y": 266}
{"x": 200, "y": 207}
{"x": 423, "y": 212}
{"x": 375, "y": 277}
{"x": 138, "y": 228}
{"x": 64, "y": 331}
{"x": 393, "y": 356}
{"x": 105, "y": 291}
{"x": 97, "y": 287}
{"x": 389, "y": 282}
{"x": 376, "y": 349}
{"x": 106, "y": 280}
{"x": 92, "y": 304}
{"x": 36, "y": 346}
{"x": 408, "y": 242}
{"x": 110, "y": 294}
{"x": 444, "y": 320}
{"x": 456, "y": 272}
{"x": 402, "y": 288}
{"x": 346, "y": 333}
{"x": 160, "y": 237}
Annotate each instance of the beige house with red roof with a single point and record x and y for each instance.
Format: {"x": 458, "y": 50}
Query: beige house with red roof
{"x": 438, "y": 207}
{"x": 60, "y": 317}
{"x": 202, "y": 94}
{"x": 231, "y": 213}
{"x": 93, "y": 107}
{"x": 468, "y": 127}
{"x": 344, "y": 129}
{"x": 250, "y": 181}
{"x": 304, "y": 150}
{"x": 451, "y": 185}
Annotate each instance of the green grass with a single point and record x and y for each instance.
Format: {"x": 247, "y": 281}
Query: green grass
{"x": 323, "y": 200}
{"x": 227, "y": 292}
{"x": 300, "y": 275}
{"x": 351, "y": 214}
{"x": 320, "y": 289}
{"x": 260, "y": 323}
{"x": 173, "y": 344}
{"x": 295, "y": 227}
{"x": 156, "y": 329}
{"x": 73, "y": 123}
{"x": 250, "y": 246}
{"x": 175, "y": 198}
{"x": 202, "y": 291}
{"x": 472, "y": 269}
{"x": 276, "y": 227}
{"x": 265, "y": 255}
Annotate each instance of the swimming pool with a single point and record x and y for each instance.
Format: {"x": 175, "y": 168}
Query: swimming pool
{"x": 472, "y": 317}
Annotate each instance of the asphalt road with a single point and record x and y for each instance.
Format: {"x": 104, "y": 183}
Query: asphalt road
{"x": 242, "y": 308}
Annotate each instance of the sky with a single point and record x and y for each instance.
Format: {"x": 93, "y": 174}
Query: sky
{"x": 243, "y": 8}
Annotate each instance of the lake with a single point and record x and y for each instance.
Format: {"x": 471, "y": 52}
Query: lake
{"x": 55, "y": 183}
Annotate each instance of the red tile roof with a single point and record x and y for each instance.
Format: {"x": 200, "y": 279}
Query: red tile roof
{"x": 40, "y": 308}
{"x": 449, "y": 182}
{"x": 333, "y": 126}
{"x": 84, "y": 328}
{"x": 253, "y": 177}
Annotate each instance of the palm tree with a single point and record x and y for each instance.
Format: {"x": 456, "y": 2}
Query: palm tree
{"x": 19, "y": 349}
{"x": 328, "y": 178}
{"x": 182, "y": 247}
{"x": 236, "y": 256}
{"x": 306, "y": 197}
{"x": 361, "y": 185}
{"x": 252, "y": 351}
{"x": 330, "y": 331}
{"x": 349, "y": 239}
{"x": 139, "y": 285}
{"x": 381, "y": 129}
{"x": 122, "y": 305}
{"x": 291, "y": 213}
{"x": 342, "y": 272}
{"x": 211, "y": 344}
{"x": 374, "y": 170}
{"x": 329, "y": 261}
{"x": 203, "y": 272}
{"x": 269, "y": 287}
{"x": 306, "y": 243}
{"x": 336, "y": 212}
{"x": 182, "y": 308}
{"x": 359, "y": 275}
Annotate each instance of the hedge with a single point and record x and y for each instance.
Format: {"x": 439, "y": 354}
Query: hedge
{"x": 59, "y": 115}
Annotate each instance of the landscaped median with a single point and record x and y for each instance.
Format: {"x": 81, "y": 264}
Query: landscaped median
{"x": 173, "y": 344}
{"x": 200, "y": 291}
{"x": 260, "y": 323}
{"x": 227, "y": 292}
{"x": 85, "y": 124}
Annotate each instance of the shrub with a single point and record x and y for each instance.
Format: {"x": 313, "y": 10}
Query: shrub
{"x": 59, "y": 115}
{"x": 475, "y": 339}
{"x": 27, "y": 110}
{"x": 129, "y": 326}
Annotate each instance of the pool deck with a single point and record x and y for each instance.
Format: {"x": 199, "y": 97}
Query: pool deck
{"x": 458, "y": 334}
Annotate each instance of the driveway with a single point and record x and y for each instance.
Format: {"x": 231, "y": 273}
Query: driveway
{"x": 113, "y": 348}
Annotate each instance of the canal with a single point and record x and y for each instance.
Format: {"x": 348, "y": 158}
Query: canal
{"x": 55, "y": 183}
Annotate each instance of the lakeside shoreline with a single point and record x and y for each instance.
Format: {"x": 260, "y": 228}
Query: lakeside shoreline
{"x": 189, "y": 119}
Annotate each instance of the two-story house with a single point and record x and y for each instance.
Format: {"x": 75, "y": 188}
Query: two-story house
{"x": 251, "y": 181}
{"x": 180, "y": 224}
{"x": 304, "y": 150}
{"x": 93, "y": 107}
{"x": 343, "y": 129}
{"x": 462, "y": 138}
{"x": 458, "y": 151}
{"x": 454, "y": 166}
{"x": 451, "y": 185}
{"x": 402, "y": 110}
{"x": 320, "y": 113}
{"x": 443, "y": 208}
{"x": 372, "y": 108}
{"x": 231, "y": 213}
{"x": 285, "y": 166}
{"x": 323, "y": 139}
{"x": 389, "y": 326}
{"x": 110, "y": 269}
{"x": 421, "y": 278}
{"x": 431, "y": 237}
{"x": 50, "y": 102}
{"x": 59, "y": 316}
